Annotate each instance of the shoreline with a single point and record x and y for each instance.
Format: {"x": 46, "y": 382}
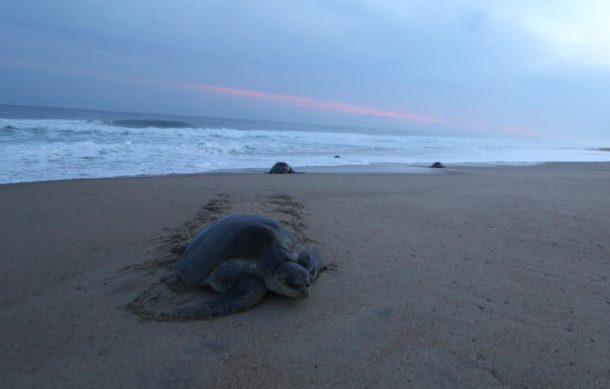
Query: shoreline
{"x": 377, "y": 168}
{"x": 483, "y": 277}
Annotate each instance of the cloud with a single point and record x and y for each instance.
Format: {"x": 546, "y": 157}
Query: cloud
{"x": 574, "y": 31}
{"x": 328, "y": 105}
{"x": 564, "y": 31}
{"x": 310, "y": 102}
{"x": 513, "y": 65}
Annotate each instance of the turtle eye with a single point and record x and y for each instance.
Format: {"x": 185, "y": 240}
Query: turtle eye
{"x": 298, "y": 283}
{"x": 294, "y": 284}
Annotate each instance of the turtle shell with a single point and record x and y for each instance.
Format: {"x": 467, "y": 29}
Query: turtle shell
{"x": 250, "y": 237}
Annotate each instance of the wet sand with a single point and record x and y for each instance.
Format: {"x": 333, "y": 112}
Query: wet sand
{"x": 473, "y": 277}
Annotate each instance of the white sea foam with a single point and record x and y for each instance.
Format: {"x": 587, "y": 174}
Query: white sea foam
{"x": 48, "y": 149}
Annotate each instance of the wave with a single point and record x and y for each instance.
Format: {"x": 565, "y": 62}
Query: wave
{"x": 42, "y": 149}
{"x": 146, "y": 123}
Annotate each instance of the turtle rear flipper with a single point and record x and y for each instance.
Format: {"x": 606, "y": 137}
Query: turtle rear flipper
{"x": 244, "y": 293}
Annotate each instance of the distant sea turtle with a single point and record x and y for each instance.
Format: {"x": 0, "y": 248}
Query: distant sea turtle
{"x": 281, "y": 168}
{"x": 437, "y": 165}
{"x": 243, "y": 256}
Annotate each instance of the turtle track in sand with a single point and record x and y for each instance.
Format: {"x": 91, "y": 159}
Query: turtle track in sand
{"x": 174, "y": 241}
{"x": 290, "y": 212}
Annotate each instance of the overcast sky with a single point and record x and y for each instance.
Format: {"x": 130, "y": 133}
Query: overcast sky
{"x": 531, "y": 68}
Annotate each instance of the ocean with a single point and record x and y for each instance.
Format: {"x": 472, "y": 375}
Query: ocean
{"x": 38, "y": 144}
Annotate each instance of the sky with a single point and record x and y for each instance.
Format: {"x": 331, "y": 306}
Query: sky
{"x": 529, "y": 68}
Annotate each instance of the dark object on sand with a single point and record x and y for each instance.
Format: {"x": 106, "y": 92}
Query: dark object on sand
{"x": 241, "y": 257}
{"x": 281, "y": 168}
{"x": 437, "y": 165}
{"x": 337, "y": 156}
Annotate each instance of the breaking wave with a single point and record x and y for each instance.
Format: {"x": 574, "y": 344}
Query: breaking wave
{"x": 49, "y": 149}
{"x": 147, "y": 123}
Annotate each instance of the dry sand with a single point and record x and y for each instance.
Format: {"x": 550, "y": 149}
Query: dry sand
{"x": 476, "y": 277}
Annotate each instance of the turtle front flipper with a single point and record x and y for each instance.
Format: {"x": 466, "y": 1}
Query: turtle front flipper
{"x": 244, "y": 293}
{"x": 310, "y": 259}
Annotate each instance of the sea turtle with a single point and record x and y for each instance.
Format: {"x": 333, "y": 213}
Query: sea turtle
{"x": 281, "y": 168}
{"x": 437, "y": 165}
{"x": 241, "y": 256}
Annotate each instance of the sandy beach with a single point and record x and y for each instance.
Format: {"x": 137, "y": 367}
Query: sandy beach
{"x": 472, "y": 277}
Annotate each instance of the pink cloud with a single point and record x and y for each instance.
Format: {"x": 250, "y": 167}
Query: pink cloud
{"x": 329, "y": 105}
{"x": 299, "y": 101}
{"x": 310, "y": 102}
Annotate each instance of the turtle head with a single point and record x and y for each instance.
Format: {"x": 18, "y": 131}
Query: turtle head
{"x": 290, "y": 279}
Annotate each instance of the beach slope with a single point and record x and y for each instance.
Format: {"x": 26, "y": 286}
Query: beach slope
{"x": 474, "y": 277}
